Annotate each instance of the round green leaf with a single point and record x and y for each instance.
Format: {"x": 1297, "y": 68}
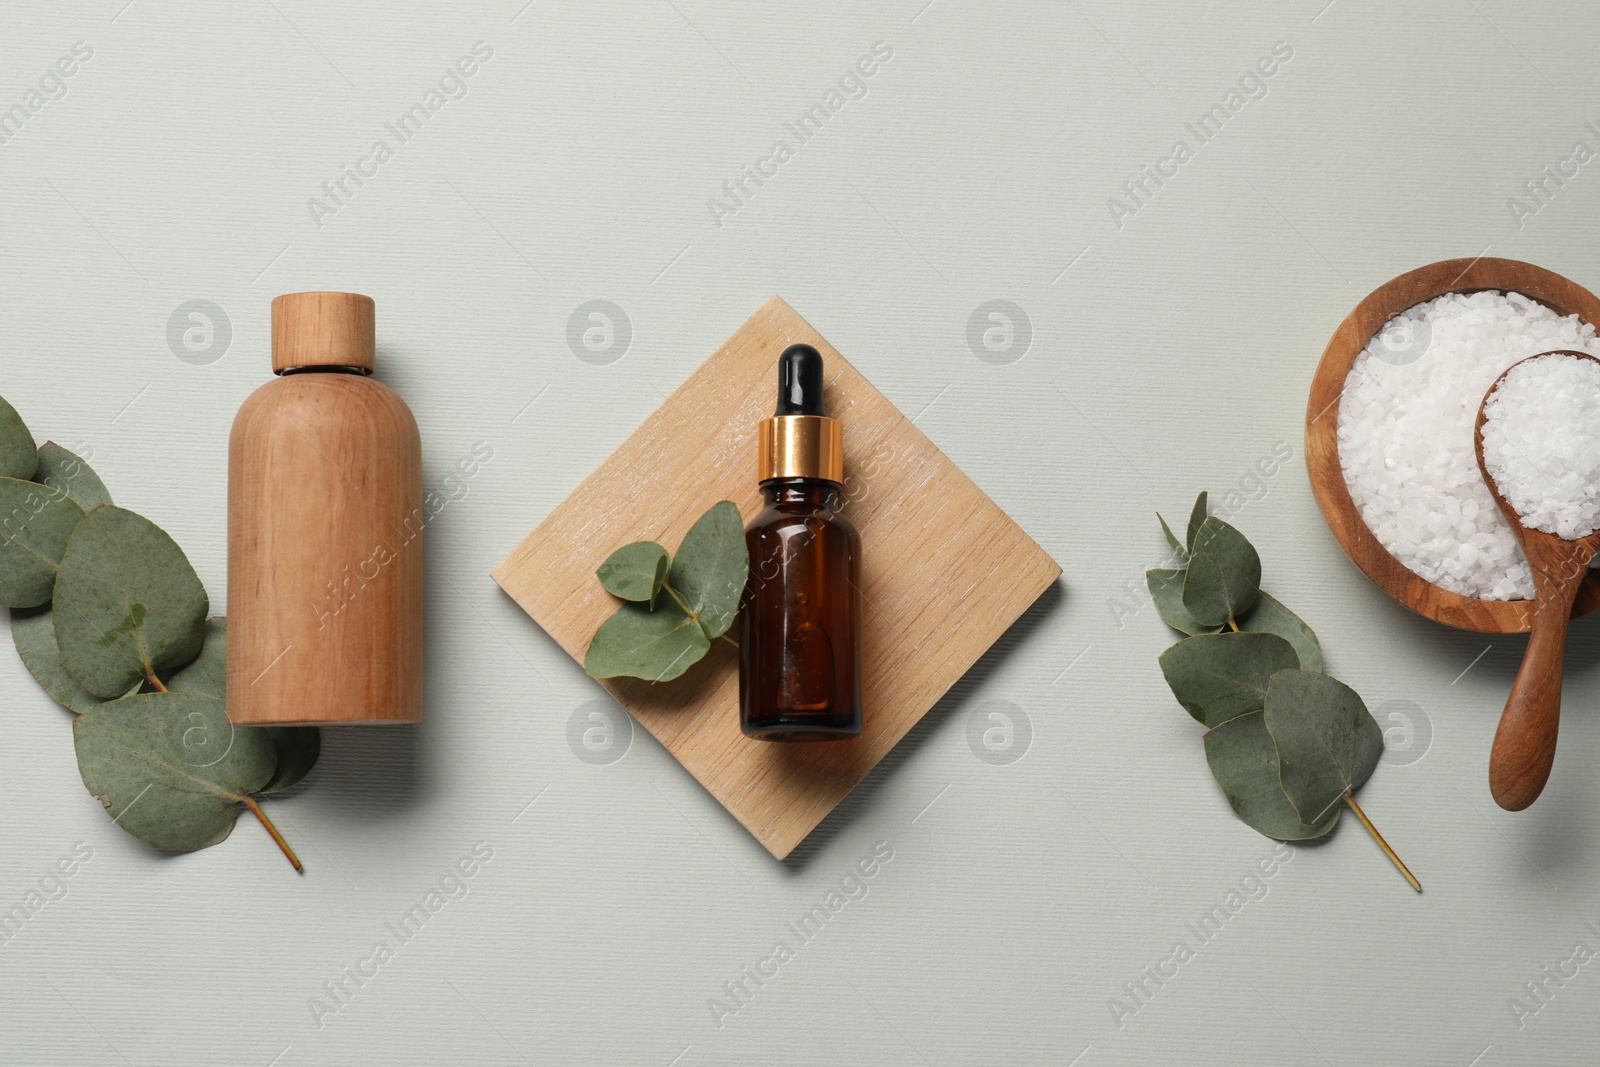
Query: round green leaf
{"x": 1328, "y": 743}
{"x": 207, "y": 673}
{"x": 1218, "y": 676}
{"x": 1270, "y": 616}
{"x": 35, "y": 523}
{"x": 635, "y": 572}
{"x": 639, "y": 643}
{"x": 711, "y": 567}
{"x": 169, "y": 767}
{"x": 1166, "y": 590}
{"x": 127, "y": 602}
{"x": 1223, "y": 576}
{"x": 1244, "y": 762}
{"x": 297, "y": 747}
{"x": 71, "y": 474}
{"x": 18, "y": 457}
{"x": 34, "y": 633}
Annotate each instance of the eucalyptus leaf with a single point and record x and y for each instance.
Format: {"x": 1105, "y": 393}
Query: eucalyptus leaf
{"x": 1287, "y": 744}
{"x": 34, "y": 633}
{"x": 298, "y": 748}
{"x": 711, "y": 567}
{"x": 18, "y": 456}
{"x": 1166, "y": 589}
{"x": 1270, "y": 616}
{"x": 1223, "y": 576}
{"x": 71, "y": 474}
{"x": 127, "y": 602}
{"x": 35, "y": 524}
{"x": 1244, "y": 761}
{"x": 635, "y": 572}
{"x": 1219, "y": 676}
{"x": 169, "y": 767}
{"x": 207, "y": 674}
{"x": 103, "y": 602}
{"x": 1328, "y": 743}
{"x": 1197, "y": 518}
{"x": 1172, "y": 539}
{"x": 655, "y": 645}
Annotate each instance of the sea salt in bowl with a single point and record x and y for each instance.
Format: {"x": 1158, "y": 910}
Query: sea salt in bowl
{"x": 1402, "y": 495}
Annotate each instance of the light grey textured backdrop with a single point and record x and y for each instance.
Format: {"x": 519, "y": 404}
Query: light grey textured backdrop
{"x": 1165, "y": 346}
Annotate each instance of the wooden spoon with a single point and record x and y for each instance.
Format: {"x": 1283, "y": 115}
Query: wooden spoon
{"x": 1525, "y": 743}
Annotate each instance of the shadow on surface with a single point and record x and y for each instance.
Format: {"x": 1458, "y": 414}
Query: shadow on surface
{"x": 861, "y": 798}
{"x": 368, "y": 771}
{"x": 1552, "y": 835}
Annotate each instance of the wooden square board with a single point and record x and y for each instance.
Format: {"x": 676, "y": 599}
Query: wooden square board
{"x": 944, "y": 572}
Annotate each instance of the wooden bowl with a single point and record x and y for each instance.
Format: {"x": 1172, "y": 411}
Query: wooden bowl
{"x": 1566, "y": 297}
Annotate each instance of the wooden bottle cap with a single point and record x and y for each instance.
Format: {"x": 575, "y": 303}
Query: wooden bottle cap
{"x": 322, "y": 330}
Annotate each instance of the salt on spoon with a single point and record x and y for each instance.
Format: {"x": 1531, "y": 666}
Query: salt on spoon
{"x": 1538, "y": 446}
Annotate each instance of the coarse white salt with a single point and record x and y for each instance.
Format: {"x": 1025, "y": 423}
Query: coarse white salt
{"x": 1407, "y": 416}
{"x": 1541, "y": 443}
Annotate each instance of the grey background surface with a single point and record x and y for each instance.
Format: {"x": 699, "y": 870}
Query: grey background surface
{"x": 1166, "y": 354}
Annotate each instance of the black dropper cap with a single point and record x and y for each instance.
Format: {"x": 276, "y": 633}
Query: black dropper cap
{"x": 800, "y": 381}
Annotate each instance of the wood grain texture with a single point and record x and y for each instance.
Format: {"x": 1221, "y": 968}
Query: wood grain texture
{"x": 323, "y": 329}
{"x": 324, "y": 554}
{"x": 1322, "y": 422}
{"x": 945, "y": 572}
{"x": 1525, "y": 741}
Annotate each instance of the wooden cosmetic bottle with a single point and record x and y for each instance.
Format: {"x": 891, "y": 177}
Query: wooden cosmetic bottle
{"x": 324, "y": 530}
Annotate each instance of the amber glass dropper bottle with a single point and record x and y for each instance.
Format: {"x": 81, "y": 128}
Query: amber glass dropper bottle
{"x": 800, "y": 620}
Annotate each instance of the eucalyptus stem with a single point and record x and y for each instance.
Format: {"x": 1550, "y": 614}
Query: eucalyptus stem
{"x": 673, "y": 593}
{"x": 1350, "y": 799}
{"x": 250, "y": 802}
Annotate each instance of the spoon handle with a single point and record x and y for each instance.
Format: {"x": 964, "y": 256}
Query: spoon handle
{"x": 1525, "y": 743}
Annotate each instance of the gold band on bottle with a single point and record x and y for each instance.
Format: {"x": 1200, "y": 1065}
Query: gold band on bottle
{"x": 801, "y": 446}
